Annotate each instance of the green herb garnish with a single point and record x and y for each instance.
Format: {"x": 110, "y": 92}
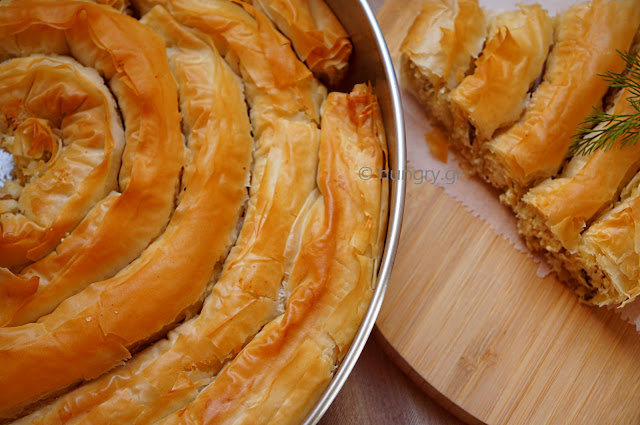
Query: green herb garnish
{"x": 602, "y": 130}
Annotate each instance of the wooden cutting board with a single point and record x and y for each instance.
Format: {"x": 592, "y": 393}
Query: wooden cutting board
{"x": 467, "y": 317}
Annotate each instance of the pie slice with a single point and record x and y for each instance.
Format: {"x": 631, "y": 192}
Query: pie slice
{"x": 511, "y": 120}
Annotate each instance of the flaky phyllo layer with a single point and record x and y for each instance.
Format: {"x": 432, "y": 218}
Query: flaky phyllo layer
{"x": 184, "y": 238}
{"x": 511, "y": 107}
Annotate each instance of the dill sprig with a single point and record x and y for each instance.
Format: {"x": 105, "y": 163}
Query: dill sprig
{"x": 602, "y": 130}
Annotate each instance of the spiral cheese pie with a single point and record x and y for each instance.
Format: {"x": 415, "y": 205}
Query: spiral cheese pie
{"x": 515, "y": 133}
{"x": 167, "y": 254}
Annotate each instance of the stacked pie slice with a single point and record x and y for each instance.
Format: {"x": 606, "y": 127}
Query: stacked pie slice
{"x": 184, "y": 237}
{"x": 511, "y": 88}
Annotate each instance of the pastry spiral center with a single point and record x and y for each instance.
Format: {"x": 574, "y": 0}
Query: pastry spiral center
{"x": 34, "y": 145}
{"x": 58, "y": 121}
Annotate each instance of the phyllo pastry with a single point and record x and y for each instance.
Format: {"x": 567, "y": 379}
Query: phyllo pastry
{"x": 67, "y": 141}
{"x": 439, "y": 50}
{"x": 588, "y": 185}
{"x": 496, "y": 93}
{"x": 116, "y": 315}
{"x": 191, "y": 242}
{"x": 610, "y": 255}
{"x": 315, "y": 33}
{"x": 587, "y": 39}
{"x": 554, "y": 214}
{"x": 512, "y": 120}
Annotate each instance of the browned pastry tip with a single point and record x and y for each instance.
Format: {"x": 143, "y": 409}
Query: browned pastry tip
{"x": 316, "y": 34}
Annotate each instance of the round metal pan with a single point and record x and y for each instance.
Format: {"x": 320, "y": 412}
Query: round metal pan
{"x": 371, "y": 62}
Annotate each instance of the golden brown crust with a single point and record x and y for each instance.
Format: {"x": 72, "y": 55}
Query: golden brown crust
{"x": 85, "y": 257}
{"x": 587, "y": 38}
{"x": 61, "y": 125}
{"x": 84, "y": 145}
{"x": 494, "y": 96}
{"x": 587, "y": 186}
{"x": 316, "y": 34}
{"x": 611, "y": 255}
{"x": 288, "y": 226}
{"x": 287, "y": 88}
{"x": 444, "y": 40}
{"x": 279, "y": 375}
{"x": 555, "y": 211}
{"x": 109, "y": 317}
{"x": 439, "y": 50}
{"x": 248, "y": 293}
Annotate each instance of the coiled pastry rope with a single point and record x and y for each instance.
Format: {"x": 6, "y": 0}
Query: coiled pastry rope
{"x": 293, "y": 235}
{"x": 61, "y": 125}
{"x": 327, "y": 276}
{"x": 67, "y": 139}
{"x": 248, "y": 294}
{"x": 112, "y": 316}
{"x": 118, "y": 229}
{"x": 281, "y": 373}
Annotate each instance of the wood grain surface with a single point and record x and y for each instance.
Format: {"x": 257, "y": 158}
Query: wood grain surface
{"x": 467, "y": 316}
